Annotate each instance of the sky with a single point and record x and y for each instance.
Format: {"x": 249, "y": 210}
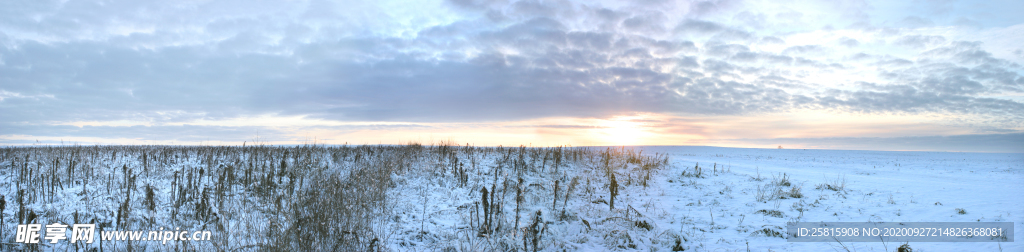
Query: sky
{"x": 870, "y": 75}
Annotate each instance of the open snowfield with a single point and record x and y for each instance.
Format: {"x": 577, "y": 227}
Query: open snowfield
{"x": 720, "y": 210}
{"x": 460, "y": 198}
{"x": 881, "y": 186}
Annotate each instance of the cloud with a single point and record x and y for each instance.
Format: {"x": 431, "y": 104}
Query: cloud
{"x": 649, "y": 22}
{"x": 183, "y": 133}
{"x": 187, "y": 132}
{"x": 699, "y": 27}
{"x": 804, "y": 49}
{"x": 920, "y": 41}
{"x": 848, "y": 42}
{"x": 915, "y": 22}
{"x": 717, "y": 32}
{"x": 772, "y": 40}
{"x": 158, "y": 63}
{"x": 475, "y": 4}
{"x": 701, "y": 8}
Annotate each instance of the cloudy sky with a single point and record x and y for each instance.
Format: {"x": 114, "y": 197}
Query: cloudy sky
{"x": 878, "y": 75}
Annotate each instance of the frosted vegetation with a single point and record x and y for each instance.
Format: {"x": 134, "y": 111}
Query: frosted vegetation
{"x": 450, "y": 197}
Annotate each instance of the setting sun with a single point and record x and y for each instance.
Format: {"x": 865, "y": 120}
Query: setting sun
{"x": 622, "y": 130}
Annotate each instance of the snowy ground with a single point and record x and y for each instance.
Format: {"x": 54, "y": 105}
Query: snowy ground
{"x": 881, "y": 186}
{"x": 430, "y": 198}
{"x": 719, "y": 211}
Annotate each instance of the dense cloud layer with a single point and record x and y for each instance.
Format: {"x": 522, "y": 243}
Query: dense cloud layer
{"x": 471, "y": 60}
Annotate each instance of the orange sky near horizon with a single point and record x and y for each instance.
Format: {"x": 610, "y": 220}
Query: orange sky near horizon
{"x": 624, "y": 130}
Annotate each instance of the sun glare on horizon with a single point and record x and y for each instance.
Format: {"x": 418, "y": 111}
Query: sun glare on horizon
{"x": 622, "y": 130}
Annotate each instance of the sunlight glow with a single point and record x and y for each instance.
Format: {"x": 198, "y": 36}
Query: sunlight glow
{"x": 622, "y": 130}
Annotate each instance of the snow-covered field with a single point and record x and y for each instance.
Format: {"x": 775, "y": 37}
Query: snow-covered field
{"x": 881, "y": 186}
{"x": 720, "y": 210}
{"x": 431, "y": 198}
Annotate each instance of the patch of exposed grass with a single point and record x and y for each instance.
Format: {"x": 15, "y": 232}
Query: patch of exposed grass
{"x": 772, "y": 213}
{"x": 838, "y": 185}
{"x": 768, "y": 231}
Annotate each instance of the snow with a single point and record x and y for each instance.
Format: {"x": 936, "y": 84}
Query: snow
{"x": 428, "y": 206}
{"x": 719, "y": 211}
{"x": 923, "y": 187}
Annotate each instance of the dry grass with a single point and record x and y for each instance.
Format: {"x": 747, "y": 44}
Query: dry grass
{"x": 838, "y": 185}
{"x": 307, "y": 197}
